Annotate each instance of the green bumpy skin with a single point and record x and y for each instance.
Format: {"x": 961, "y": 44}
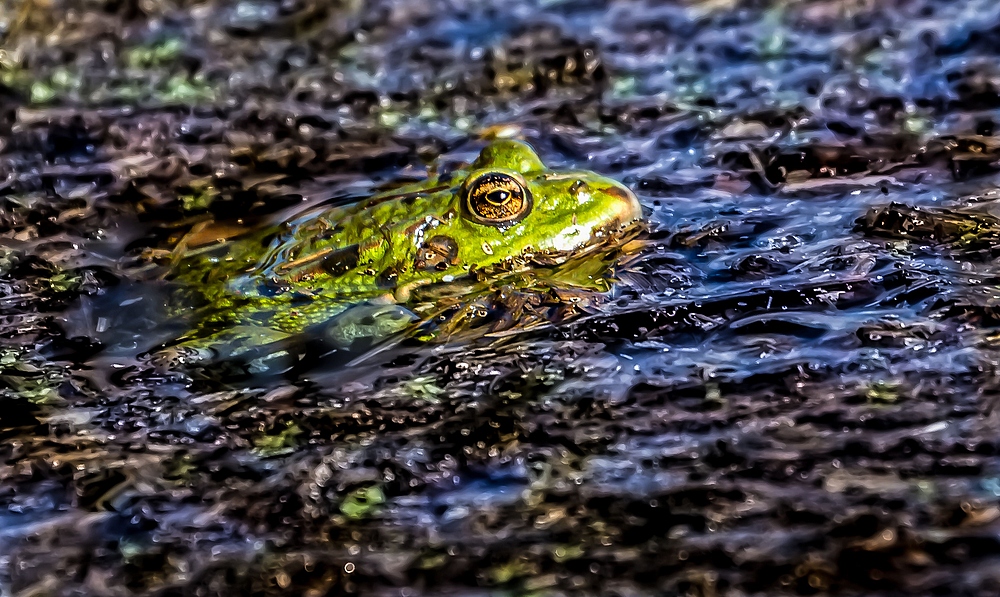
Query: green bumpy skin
{"x": 505, "y": 212}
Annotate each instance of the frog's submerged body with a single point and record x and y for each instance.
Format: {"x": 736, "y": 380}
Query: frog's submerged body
{"x": 505, "y": 212}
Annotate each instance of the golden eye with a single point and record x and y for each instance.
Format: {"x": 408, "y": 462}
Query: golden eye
{"x": 496, "y": 198}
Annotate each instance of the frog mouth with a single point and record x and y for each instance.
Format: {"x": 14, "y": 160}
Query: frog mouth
{"x": 603, "y": 239}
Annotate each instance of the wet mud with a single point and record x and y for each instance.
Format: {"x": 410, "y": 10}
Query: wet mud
{"x": 791, "y": 390}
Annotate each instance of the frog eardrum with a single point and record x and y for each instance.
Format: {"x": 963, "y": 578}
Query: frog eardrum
{"x": 496, "y": 198}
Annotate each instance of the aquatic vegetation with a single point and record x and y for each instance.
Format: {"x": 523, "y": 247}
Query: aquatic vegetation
{"x": 199, "y": 195}
{"x": 25, "y": 378}
{"x": 362, "y": 502}
{"x": 940, "y": 227}
{"x": 163, "y": 53}
{"x": 276, "y": 444}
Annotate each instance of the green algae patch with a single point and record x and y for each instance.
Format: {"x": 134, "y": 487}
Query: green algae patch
{"x": 60, "y": 84}
{"x": 186, "y": 89}
{"x": 884, "y": 392}
{"x": 160, "y": 54}
{"x": 362, "y": 502}
{"x": 423, "y": 388}
{"x": 283, "y": 442}
{"x": 198, "y": 195}
{"x": 31, "y": 379}
{"x": 510, "y": 571}
{"x": 960, "y": 230}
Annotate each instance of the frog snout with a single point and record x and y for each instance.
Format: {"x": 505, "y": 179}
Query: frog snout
{"x": 625, "y": 206}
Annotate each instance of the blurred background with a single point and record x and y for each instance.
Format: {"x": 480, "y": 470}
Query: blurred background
{"x": 791, "y": 389}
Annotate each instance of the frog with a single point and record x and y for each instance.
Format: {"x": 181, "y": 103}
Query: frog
{"x": 354, "y": 269}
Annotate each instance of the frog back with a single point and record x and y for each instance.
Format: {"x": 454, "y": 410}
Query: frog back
{"x": 344, "y": 255}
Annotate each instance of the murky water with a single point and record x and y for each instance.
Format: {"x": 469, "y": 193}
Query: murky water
{"x": 791, "y": 390}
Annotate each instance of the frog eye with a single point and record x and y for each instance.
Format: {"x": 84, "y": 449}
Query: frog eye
{"x": 496, "y": 198}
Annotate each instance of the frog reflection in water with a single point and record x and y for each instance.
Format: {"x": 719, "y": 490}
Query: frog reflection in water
{"x": 351, "y": 269}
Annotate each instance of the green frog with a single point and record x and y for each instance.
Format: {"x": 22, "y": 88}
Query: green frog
{"x": 354, "y": 270}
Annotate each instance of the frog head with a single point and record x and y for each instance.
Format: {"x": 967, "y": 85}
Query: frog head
{"x": 511, "y": 205}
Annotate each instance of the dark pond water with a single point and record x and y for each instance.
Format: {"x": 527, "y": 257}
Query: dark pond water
{"x": 791, "y": 390}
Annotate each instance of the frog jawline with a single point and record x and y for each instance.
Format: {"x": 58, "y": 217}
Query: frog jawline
{"x": 606, "y": 238}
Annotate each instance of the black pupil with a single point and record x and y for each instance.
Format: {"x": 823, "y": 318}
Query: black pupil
{"x": 498, "y": 197}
